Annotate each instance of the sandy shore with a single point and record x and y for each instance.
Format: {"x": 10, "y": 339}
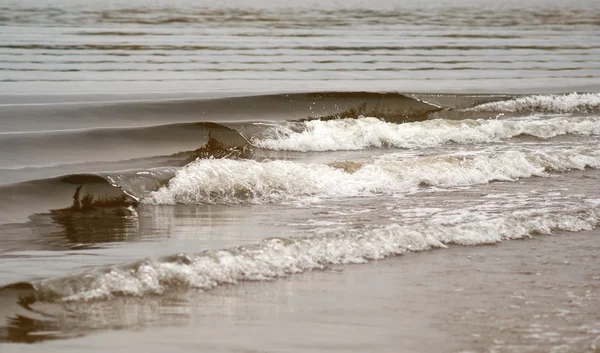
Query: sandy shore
{"x": 535, "y": 295}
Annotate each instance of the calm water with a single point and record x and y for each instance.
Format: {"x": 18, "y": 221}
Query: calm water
{"x": 150, "y": 150}
{"x": 440, "y": 46}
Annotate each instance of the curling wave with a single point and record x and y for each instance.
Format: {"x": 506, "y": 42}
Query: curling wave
{"x": 79, "y": 193}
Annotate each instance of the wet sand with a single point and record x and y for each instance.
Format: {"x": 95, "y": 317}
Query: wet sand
{"x": 535, "y": 295}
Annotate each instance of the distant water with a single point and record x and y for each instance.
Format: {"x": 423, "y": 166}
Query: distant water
{"x": 458, "y": 45}
{"x": 149, "y": 148}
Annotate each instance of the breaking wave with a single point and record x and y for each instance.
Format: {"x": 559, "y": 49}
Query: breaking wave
{"x": 362, "y": 133}
{"x": 569, "y": 103}
{"x": 249, "y": 181}
{"x": 278, "y": 257}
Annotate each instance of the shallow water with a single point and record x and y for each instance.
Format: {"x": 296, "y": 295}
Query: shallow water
{"x": 155, "y": 155}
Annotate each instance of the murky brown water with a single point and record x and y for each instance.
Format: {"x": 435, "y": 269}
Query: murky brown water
{"x": 231, "y": 177}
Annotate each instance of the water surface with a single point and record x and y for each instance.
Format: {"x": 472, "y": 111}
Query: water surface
{"x": 161, "y": 160}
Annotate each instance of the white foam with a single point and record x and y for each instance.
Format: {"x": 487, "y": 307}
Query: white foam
{"x": 570, "y": 103}
{"x": 237, "y": 181}
{"x": 279, "y": 257}
{"x": 248, "y": 181}
{"x": 362, "y": 133}
{"x": 464, "y": 170}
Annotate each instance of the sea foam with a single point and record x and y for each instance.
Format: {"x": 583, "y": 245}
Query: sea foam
{"x": 569, "y": 103}
{"x": 248, "y": 181}
{"x": 278, "y": 257}
{"x": 362, "y": 133}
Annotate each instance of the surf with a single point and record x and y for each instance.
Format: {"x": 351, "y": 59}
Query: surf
{"x": 248, "y": 181}
{"x": 274, "y": 258}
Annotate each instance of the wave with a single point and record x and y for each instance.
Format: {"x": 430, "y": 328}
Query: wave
{"x": 45, "y": 134}
{"x": 321, "y": 127}
{"x": 393, "y": 107}
{"x": 43, "y": 149}
{"x": 89, "y": 193}
{"x": 92, "y": 192}
{"x": 47, "y": 149}
{"x": 362, "y": 133}
{"x": 248, "y": 181}
{"x": 278, "y": 257}
{"x": 569, "y": 103}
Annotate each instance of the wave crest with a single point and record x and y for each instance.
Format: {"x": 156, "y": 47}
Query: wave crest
{"x": 569, "y": 103}
{"x": 362, "y": 133}
{"x": 278, "y": 257}
{"x": 247, "y": 181}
